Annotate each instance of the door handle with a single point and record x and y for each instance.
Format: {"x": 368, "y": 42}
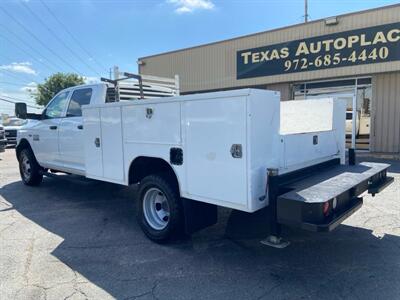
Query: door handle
{"x": 79, "y": 126}
{"x": 53, "y": 127}
{"x": 97, "y": 142}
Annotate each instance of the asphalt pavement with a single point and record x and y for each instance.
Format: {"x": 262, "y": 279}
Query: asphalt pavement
{"x": 78, "y": 239}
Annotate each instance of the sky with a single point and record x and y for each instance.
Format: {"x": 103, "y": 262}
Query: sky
{"x": 88, "y": 37}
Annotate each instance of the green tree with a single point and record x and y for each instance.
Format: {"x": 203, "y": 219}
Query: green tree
{"x": 55, "y": 83}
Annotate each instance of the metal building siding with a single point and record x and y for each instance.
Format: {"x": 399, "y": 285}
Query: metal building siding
{"x": 385, "y": 127}
{"x": 213, "y": 66}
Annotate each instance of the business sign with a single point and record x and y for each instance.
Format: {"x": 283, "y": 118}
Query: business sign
{"x": 362, "y": 46}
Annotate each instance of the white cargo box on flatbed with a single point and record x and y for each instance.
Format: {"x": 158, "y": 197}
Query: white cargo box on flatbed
{"x": 228, "y": 140}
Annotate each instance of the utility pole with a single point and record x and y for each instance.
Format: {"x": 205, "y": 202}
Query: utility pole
{"x": 305, "y": 11}
{"x": 116, "y": 72}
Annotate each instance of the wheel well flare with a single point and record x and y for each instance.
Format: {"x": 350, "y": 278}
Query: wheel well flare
{"x": 23, "y": 144}
{"x": 144, "y": 166}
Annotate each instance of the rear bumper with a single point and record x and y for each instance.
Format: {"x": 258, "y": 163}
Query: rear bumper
{"x": 305, "y": 203}
{"x": 336, "y": 220}
{"x": 380, "y": 186}
{"x": 354, "y": 204}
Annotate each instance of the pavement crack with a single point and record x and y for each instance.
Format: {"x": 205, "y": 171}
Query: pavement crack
{"x": 154, "y": 289}
{"x": 150, "y": 292}
{"x": 7, "y": 226}
{"x": 28, "y": 260}
{"x": 69, "y": 296}
{"x": 270, "y": 290}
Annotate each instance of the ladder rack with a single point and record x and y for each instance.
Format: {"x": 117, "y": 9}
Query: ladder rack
{"x": 134, "y": 86}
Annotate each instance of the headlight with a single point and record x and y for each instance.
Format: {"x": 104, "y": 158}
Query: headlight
{"x": 20, "y": 122}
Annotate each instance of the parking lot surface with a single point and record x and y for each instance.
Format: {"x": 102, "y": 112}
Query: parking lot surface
{"x": 78, "y": 239}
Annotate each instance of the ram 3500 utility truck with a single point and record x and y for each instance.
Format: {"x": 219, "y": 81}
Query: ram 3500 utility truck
{"x": 240, "y": 149}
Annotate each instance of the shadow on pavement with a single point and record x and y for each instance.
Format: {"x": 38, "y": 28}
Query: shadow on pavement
{"x": 102, "y": 241}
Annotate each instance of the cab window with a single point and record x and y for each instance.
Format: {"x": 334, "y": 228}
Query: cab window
{"x": 79, "y": 97}
{"x": 56, "y": 107}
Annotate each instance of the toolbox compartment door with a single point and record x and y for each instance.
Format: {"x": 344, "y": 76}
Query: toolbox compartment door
{"x": 103, "y": 143}
{"x": 213, "y": 127}
{"x": 93, "y": 152}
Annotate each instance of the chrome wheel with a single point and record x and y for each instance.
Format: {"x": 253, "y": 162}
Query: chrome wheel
{"x": 25, "y": 166}
{"x": 156, "y": 209}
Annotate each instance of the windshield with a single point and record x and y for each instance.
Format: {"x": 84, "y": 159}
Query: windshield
{"x": 14, "y": 122}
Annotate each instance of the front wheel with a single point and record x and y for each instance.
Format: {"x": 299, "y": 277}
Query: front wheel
{"x": 29, "y": 169}
{"x": 159, "y": 210}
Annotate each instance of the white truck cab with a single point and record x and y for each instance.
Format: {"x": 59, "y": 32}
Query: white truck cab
{"x": 241, "y": 149}
{"x": 57, "y": 139}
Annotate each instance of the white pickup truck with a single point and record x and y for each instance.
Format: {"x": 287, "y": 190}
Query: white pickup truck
{"x": 241, "y": 149}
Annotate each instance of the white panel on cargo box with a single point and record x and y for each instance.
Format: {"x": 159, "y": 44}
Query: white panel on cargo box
{"x": 161, "y": 127}
{"x": 299, "y": 116}
{"x": 111, "y": 143}
{"x": 211, "y": 128}
{"x": 92, "y": 130}
{"x": 300, "y": 148}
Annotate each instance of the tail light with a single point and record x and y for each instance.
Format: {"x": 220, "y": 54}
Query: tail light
{"x": 325, "y": 208}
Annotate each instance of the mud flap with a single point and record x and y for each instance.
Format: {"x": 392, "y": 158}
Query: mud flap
{"x": 198, "y": 215}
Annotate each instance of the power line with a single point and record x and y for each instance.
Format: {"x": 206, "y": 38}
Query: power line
{"x": 14, "y": 98}
{"x": 9, "y": 73}
{"x": 37, "y": 39}
{"x": 28, "y": 80}
{"x": 13, "y": 102}
{"x": 12, "y": 83}
{"x": 27, "y": 53}
{"x": 14, "y": 75}
{"x": 21, "y": 78}
{"x": 58, "y": 39}
{"x": 22, "y": 41}
{"x": 72, "y": 36}
{"x": 18, "y": 77}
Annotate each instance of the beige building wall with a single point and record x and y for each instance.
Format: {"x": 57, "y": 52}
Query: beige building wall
{"x": 283, "y": 88}
{"x": 213, "y": 66}
{"x": 385, "y": 123}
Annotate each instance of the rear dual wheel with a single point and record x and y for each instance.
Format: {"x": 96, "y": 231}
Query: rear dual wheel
{"x": 158, "y": 209}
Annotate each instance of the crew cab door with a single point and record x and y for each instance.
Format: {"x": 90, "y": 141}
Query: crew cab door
{"x": 45, "y": 132}
{"x": 71, "y": 131}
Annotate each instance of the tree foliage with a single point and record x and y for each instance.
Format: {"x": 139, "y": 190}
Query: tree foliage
{"x": 55, "y": 83}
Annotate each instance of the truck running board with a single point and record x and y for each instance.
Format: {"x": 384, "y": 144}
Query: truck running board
{"x": 324, "y": 199}
{"x": 62, "y": 175}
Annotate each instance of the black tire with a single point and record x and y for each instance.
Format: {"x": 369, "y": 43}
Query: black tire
{"x": 174, "y": 227}
{"x": 31, "y": 176}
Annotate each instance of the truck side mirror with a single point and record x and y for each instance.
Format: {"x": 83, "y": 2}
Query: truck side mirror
{"x": 20, "y": 110}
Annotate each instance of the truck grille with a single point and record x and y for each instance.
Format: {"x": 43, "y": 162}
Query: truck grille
{"x": 1, "y": 135}
{"x": 11, "y": 133}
